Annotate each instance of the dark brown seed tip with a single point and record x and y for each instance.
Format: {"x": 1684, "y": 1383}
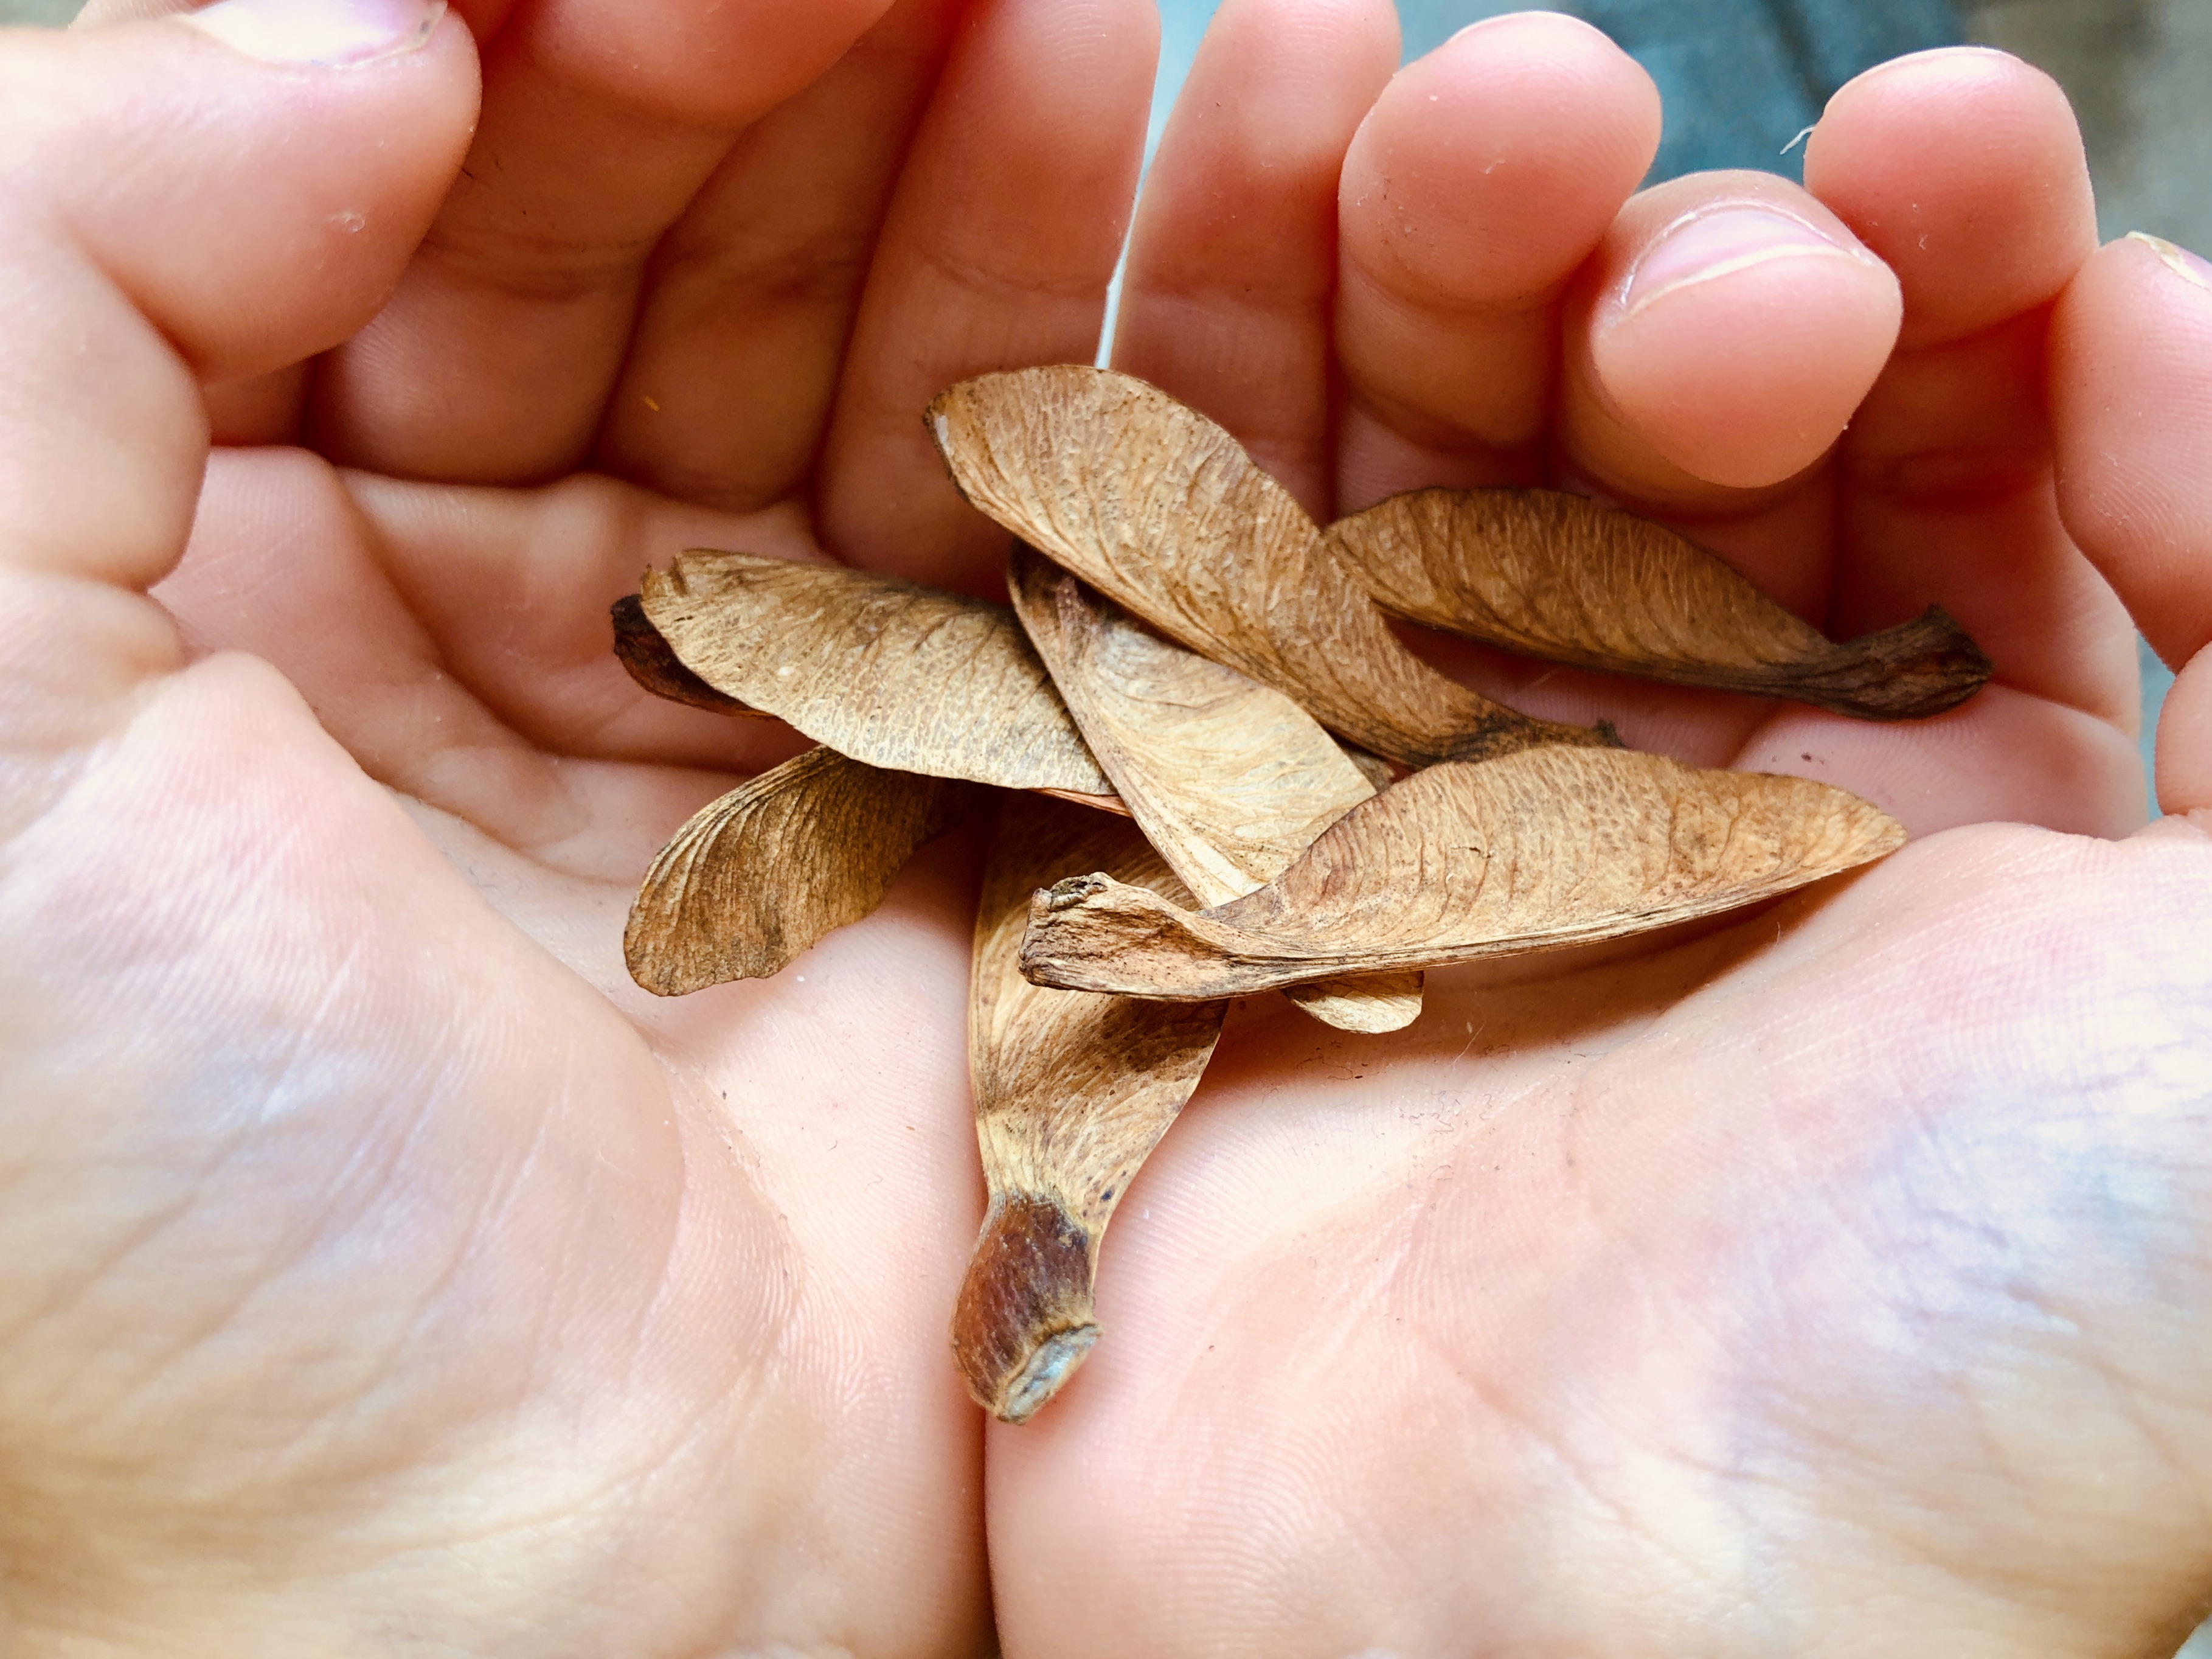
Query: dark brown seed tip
{"x": 1024, "y": 1322}
{"x": 1915, "y": 669}
{"x": 655, "y": 665}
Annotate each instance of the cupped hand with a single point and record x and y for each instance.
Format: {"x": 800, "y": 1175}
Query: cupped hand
{"x": 1836, "y": 1283}
{"x": 382, "y": 1270}
{"x": 379, "y": 1268}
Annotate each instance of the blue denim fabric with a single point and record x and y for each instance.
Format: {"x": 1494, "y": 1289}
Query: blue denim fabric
{"x": 1740, "y": 78}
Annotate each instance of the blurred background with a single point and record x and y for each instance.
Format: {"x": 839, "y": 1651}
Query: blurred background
{"x": 1742, "y": 78}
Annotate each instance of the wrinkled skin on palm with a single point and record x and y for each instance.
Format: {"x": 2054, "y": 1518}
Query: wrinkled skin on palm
{"x": 381, "y": 1266}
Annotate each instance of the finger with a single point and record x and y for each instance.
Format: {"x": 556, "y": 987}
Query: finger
{"x": 1987, "y": 224}
{"x": 1729, "y": 326}
{"x": 751, "y": 295}
{"x": 2131, "y": 386}
{"x": 1963, "y": 169}
{"x": 268, "y": 408}
{"x": 494, "y": 358}
{"x": 1485, "y": 175}
{"x": 1001, "y": 237}
{"x": 1716, "y": 345}
{"x": 1229, "y": 310}
{"x": 125, "y": 146}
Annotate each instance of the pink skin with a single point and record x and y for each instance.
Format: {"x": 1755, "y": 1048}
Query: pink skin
{"x": 2130, "y": 344}
{"x": 1466, "y": 205}
{"x": 374, "y": 1259}
{"x": 1029, "y": 150}
{"x": 1228, "y": 311}
{"x": 1740, "y": 327}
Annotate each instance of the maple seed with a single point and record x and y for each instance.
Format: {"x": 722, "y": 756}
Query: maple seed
{"x": 1163, "y": 512}
{"x": 1261, "y": 856}
{"x": 1072, "y": 1093}
{"x": 1228, "y": 779}
{"x": 1024, "y": 1319}
{"x": 1541, "y": 850}
{"x": 759, "y": 876}
{"x": 900, "y": 676}
{"x": 653, "y": 664}
{"x": 1571, "y": 580}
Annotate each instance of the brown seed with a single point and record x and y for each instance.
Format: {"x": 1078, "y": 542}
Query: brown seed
{"x": 1163, "y": 511}
{"x": 1547, "y": 848}
{"x": 655, "y": 665}
{"x": 758, "y": 876}
{"x": 1571, "y": 580}
{"x": 1378, "y": 772}
{"x": 900, "y": 676}
{"x": 1071, "y": 1093}
{"x": 1228, "y": 779}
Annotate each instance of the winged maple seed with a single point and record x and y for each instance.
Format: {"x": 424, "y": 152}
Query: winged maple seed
{"x": 1228, "y": 779}
{"x": 1163, "y": 512}
{"x": 930, "y": 687}
{"x": 1542, "y": 848}
{"x": 901, "y": 676}
{"x": 1097, "y": 1001}
{"x": 1568, "y": 579}
{"x": 1072, "y": 1093}
{"x": 653, "y": 662}
{"x": 757, "y": 877}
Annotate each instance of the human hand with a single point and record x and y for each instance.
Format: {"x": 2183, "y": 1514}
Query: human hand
{"x": 489, "y": 1303}
{"x": 381, "y": 1268}
{"x": 1835, "y": 1282}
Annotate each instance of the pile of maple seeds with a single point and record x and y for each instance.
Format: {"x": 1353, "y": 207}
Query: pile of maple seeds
{"x": 1190, "y": 830}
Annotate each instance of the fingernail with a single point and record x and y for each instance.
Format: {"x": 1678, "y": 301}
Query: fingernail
{"x": 2180, "y": 261}
{"x": 1717, "y": 242}
{"x": 333, "y": 34}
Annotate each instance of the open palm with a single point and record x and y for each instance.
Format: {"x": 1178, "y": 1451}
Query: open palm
{"x": 381, "y": 1270}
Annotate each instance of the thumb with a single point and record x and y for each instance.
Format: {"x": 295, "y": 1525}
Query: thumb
{"x": 182, "y": 202}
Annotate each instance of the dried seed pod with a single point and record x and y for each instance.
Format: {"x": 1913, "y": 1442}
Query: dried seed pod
{"x": 1571, "y": 580}
{"x": 1228, "y": 779}
{"x": 1378, "y": 772}
{"x": 1163, "y": 511}
{"x": 655, "y": 665}
{"x": 1542, "y": 848}
{"x": 1071, "y": 1093}
{"x": 755, "y": 878}
{"x": 900, "y": 676}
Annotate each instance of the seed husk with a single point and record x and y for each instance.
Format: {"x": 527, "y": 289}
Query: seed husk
{"x": 1571, "y": 580}
{"x": 1229, "y": 779}
{"x": 758, "y": 876}
{"x": 1539, "y": 849}
{"x": 653, "y": 664}
{"x": 900, "y": 676}
{"x": 1072, "y": 1093}
{"x": 1163, "y": 511}
{"x": 1095, "y": 1004}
